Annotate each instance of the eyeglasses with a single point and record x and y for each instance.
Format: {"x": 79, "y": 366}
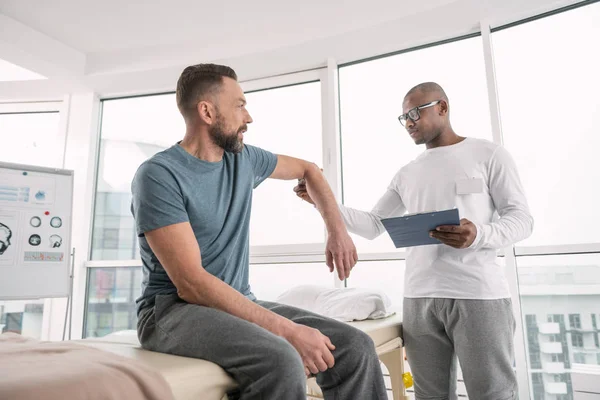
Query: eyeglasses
{"x": 414, "y": 113}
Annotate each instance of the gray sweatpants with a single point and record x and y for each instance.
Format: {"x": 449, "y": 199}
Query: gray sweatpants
{"x": 264, "y": 365}
{"x": 478, "y": 332}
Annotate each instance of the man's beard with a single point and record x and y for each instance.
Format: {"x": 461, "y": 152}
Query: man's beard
{"x": 433, "y": 135}
{"x": 227, "y": 141}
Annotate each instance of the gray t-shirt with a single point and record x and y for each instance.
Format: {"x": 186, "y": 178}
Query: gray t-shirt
{"x": 215, "y": 198}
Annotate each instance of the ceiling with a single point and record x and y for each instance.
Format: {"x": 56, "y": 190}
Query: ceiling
{"x": 111, "y": 25}
{"x": 12, "y": 72}
{"x": 117, "y": 47}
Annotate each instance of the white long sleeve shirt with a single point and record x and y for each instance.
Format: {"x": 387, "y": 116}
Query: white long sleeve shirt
{"x": 481, "y": 180}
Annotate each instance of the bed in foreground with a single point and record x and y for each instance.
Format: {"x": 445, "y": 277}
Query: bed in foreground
{"x": 34, "y": 370}
{"x": 115, "y": 367}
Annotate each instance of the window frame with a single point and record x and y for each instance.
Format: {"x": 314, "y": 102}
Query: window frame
{"x": 575, "y": 321}
{"x": 577, "y": 340}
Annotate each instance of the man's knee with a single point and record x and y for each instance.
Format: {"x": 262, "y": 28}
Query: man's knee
{"x": 358, "y": 343}
{"x": 277, "y": 374}
{"x": 359, "y": 338}
{"x": 285, "y": 365}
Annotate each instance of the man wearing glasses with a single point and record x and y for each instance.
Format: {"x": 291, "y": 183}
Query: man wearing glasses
{"x": 456, "y": 297}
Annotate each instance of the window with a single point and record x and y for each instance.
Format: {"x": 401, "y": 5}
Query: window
{"x": 577, "y": 339}
{"x": 557, "y": 358}
{"x": 550, "y": 296}
{"x": 575, "y": 321}
{"x": 537, "y": 381}
{"x": 110, "y": 302}
{"x": 533, "y": 342}
{"x": 374, "y": 144}
{"x": 287, "y": 121}
{"x": 385, "y": 276}
{"x": 22, "y": 317}
{"x": 39, "y": 141}
{"x": 535, "y": 360}
{"x": 558, "y": 301}
{"x": 562, "y": 133}
{"x": 269, "y": 281}
{"x": 579, "y": 358}
{"x": 555, "y": 338}
{"x": 532, "y": 336}
{"x": 133, "y": 130}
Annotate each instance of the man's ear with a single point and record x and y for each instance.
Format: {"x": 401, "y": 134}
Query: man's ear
{"x": 443, "y": 107}
{"x": 206, "y": 112}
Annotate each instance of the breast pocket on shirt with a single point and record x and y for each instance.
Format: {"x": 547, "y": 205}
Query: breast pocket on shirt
{"x": 469, "y": 186}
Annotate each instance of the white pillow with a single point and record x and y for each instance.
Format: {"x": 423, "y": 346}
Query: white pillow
{"x": 344, "y": 304}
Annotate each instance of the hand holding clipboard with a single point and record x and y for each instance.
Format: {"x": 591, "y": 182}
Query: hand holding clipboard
{"x": 414, "y": 229}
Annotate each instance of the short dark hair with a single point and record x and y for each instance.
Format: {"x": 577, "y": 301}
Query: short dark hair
{"x": 198, "y": 81}
{"x": 429, "y": 87}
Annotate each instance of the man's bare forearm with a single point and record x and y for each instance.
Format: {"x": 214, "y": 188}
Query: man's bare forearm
{"x": 177, "y": 249}
{"x": 210, "y": 291}
{"x": 319, "y": 190}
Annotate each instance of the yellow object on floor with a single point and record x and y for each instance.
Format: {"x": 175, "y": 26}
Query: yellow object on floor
{"x": 407, "y": 379}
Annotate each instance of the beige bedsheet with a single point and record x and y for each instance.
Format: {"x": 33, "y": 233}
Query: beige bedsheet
{"x": 34, "y": 370}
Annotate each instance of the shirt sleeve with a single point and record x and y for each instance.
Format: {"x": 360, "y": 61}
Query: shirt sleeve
{"x": 157, "y": 198}
{"x": 368, "y": 224}
{"x": 515, "y": 222}
{"x": 263, "y": 163}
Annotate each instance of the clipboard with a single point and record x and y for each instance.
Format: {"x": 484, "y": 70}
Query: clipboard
{"x": 413, "y": 230}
